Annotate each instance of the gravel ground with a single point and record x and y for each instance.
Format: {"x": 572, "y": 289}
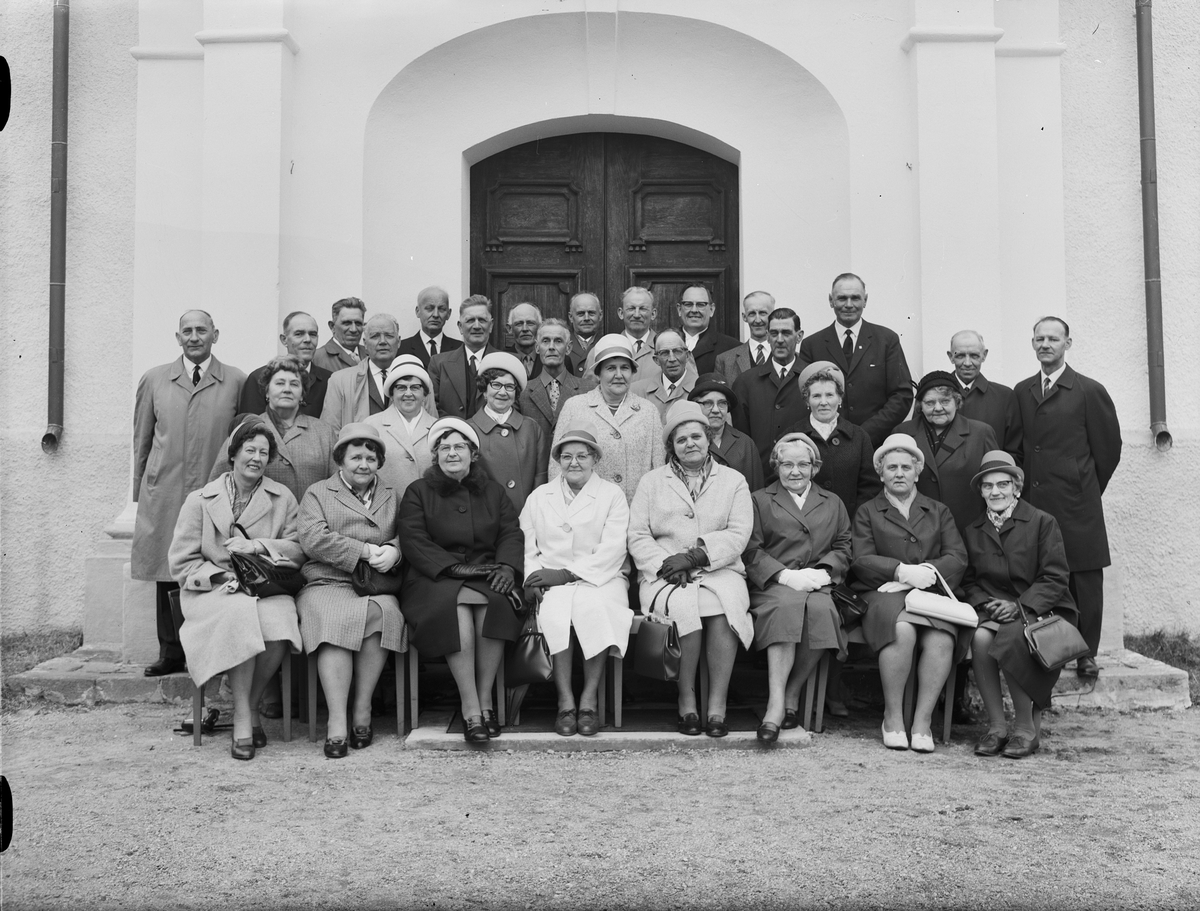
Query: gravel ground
{"x": 111, "y": 810}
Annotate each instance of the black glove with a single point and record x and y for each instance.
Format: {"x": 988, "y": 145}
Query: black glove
{"x": 680, "y": 577}
{"x": 470, "y": 570}
{"x": 502, "y": 579}
{"x": 548, "y": 578}
{"x": 533, "y": 595}
{"x": 698, "y": 556}
{"x": 675, "y": 564}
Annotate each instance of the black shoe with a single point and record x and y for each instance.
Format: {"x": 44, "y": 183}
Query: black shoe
{"x": 241, "y": 749}
{"x": 991, "y": 744}
{"x": 361, "y": 737}
{"x": 474, "y": 730}
{"x": 1084, "y": 667}
{"x": 716, "y": 726}
{"x": 491, "y": 722}
{"x": 1019, "y": 746}
{"x": 259, "y": 735}
{"x": 791, "y": 719}
{"x": 565, "y": 724}
{"x": 690, "y": 724}
{"x": 335, "y": 748}
{"x": 768, "y": 732}
{"x": 165, "y": 666}
{"x": 588, "y": 722}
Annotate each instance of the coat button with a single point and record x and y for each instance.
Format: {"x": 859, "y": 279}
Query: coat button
{"x": 1037, "y": 448}
{"x": 616, "y": 479}
{"x": 616, "y": 434}
{"x": 912, "y": 538}
{"x": 1037, "y": 483}
{"x": 512, "y": 484}
{"x": 407, "y": 456}
{"x": 777, "y": 406}
{"x": 504, "y": 432}
{"x": 689, "y": 515}
{"x": 836, "y": 441}
{"x": 462, "y": 509}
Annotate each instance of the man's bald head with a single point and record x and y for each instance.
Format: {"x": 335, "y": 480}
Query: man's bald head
{"x": 197, "y": 314}
{"x": 381, "y": 338}
{"x": 967, "y": 353}
{"x": 196, "y": 335}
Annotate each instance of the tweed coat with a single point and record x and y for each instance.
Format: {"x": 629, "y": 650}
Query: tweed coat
{"x": 739, "y": 452}
{"x": 221, "y": 630}
{"x": 946, "y": 475}
{"x": 879, "y": 390}
{"x": 995, "y": 405}
{"x": 788, "y": 537}
{"x": 847, "y": 462}
{"x": 406, "y": 457}
{"x": 534, "y": 403}
{"x": 631, "y": 439}
{"x": 440, "y": 529}
{"x": 511, "y": 457}
{"x": 448, "y": 370}
{"x": 733, "y": 363}
{"x": 643, "y": 358}
{"x": 303, "y": 454}
{"x": 1024, "y": 561}
{"x": 332, "y": 357}
{"x": 415, "y": 345}
{"x": 651, "y": 389}
{"x": 588, "y": 537}
{"x": 334, "y": 525}
{"x": 768, "y": 406}
{"x": 664, "y": 520}
{"x": 315, "y": 381}
{"x": 177, "y": 429}
{"x": 1072, "y": 446}
{"x": 351, "y": 395}
{"x": 708, "y": 346}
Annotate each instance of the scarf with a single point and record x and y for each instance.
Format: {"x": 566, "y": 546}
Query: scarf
{"x": 693, "y": 480}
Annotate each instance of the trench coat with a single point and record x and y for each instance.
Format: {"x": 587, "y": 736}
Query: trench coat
{"x": 406, "y": 457}
{"x": 438, "y": 530}
{"x": 588, "y": 537}
{"x": 664, "y": 520}
{"x": 1024, "y": 561}
{"x": 177, "y": 429}
{"x": 788, "y": 537}
{"x": 946, "y": 476}
{"x": 511, "y": 454}
{"x": 221, "y": 630}
{"x": 303, "y": 454}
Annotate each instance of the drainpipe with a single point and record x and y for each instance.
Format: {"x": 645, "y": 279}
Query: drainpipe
{"x": 1154, "y": 320}
{"x": 58, "y": 228}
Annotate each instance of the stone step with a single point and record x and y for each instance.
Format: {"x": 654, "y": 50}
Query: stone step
{"x": 1127, "y": 681}
{"x": 89, "y": 676}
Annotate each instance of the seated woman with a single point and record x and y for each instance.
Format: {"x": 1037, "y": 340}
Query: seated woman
{"x": 464, "y": 548}
{"x": 404, "y": 424}
{"x": 350, "y": 517}
{"x": 689, "y": 522}
{"x": 899, "y": 538}
{"x": 1017, "y": 563}
{"x": 800, "y": 546}
{"x": 729, "y": 446}
{"x": 510, "y": 444}
{"x": 224, "y": 628}
{"x": 575, "y": 529}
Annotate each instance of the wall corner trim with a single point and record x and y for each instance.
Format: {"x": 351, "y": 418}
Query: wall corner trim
{"x": 1030, "y": 50}
{"x": 167, "y": 53}
{"x": 948, "y": 35}
{"x": 249, "y": 36}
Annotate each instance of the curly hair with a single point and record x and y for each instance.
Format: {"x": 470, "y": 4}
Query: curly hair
{"x": 822, "y": 376}
{"x": 248, "y": 430}
{"x": 284, "y": 363}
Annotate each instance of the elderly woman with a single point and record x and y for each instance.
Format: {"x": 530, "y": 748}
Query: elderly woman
{"x": 345, "y": 520}
{"x": 900, "y": 538}
{"x": 626, "y": 425}
{"x": 729, "y": 446}
{"x": 800, "y": 547}
{"x": 510, "y": 444}
{"x": 689, "y": 523}
{"x": 464, "y": 548}
{"x": 224, "y": 627}
{"x": 575, "y": 530}
{"x": 952, "y": 445}
{"x": 404, "y": 424}
{"x": 1018, "y": 572}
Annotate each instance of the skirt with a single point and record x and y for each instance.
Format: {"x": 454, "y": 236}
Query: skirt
{"x": 782, "y": 614}
{"x": 222, "y": 630}
{"x": 600, "y": 617}
{"x": 884, "y": 609}
{"x": 1011, "y": 652}
{"x": 433, "y": 622}
{"x": 334, "y": 613}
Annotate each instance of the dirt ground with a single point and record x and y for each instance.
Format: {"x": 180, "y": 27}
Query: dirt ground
{"x": 112, "y": 810}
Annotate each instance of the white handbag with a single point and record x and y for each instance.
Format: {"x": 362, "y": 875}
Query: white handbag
{"x": 940, "y": 607}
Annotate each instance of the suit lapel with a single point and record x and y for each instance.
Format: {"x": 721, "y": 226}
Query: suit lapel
{"x": 866, "y": 338}
{"x": 216, "y": 504}
{"x": 541, "y": 398}
{"x": 259, "y": 505}
{"x": 833, "y": 348}
{"x": 784, "y": 500}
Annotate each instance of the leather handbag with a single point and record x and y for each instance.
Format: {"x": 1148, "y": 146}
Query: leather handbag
{"x": 656, "y": 651}
{"x": 850, "y": 605}
{"x": 367, "y": 580}
{"x": 528, "y": 659}
{"x": 261, "y": 577}
{"x": 1053, "y": 641}
{"x": 940, "y": 607}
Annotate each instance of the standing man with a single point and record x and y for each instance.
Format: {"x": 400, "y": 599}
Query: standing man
{"x": 299, "y": 337}
{"x": 879, "y": 388}
{"x": 344, "y": 350}
{"x": 677, "y": 376}
{"x": 584, "y": 312}
{"x": 638, "y": 312}
{"x": 983, "y": 400}
{"x": 523, "y": 323}
{"x": 180, "y": 419}
{"x": 433, "y": 310}
{"x": 454, "y": 373}
{"x": 354, "y": 395}
{"x": 543, "y": 397}
{"x": 1072, "y": 446}
{"x": 756, "y": 307}
{"x": 696, "y": 311}
{"x": 768, "y": 397}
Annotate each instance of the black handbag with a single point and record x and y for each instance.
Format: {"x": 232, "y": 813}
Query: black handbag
{"x": 367, "y": 580}
{"x": 656, "y": 651}
{"x": 528, "y": 658}
{"x": 1053, "y": 641}
{"x": 850, "y": 605}
{"x": 261, "y": 577}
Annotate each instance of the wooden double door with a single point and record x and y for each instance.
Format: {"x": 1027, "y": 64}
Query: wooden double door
{"x": 602, "y": 212}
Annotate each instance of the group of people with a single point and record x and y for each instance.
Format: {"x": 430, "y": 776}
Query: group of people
{"x": 431, "y": 491}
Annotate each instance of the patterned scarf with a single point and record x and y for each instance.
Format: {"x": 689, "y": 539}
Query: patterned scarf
{"x": 695, "y": 480}
{"x": 999, "y": 518}
{"x": 238, "y": 503}
{"x": 367, "y": 495}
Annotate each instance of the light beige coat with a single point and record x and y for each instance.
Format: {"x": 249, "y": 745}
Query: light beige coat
{"x": 407, "y": 457}
{"x": 631, "y": 439}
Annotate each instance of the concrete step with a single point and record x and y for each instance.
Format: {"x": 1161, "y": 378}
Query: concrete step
{"x": 89, "y": 676}
{"x": 1127, "y": 681}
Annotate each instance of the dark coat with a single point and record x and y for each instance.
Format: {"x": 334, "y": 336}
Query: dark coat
{"x": 708, "y": 346}
{"x": 415, "y": 345}
{"x": 1072, "y": 447}
{"x": 879, "y": 391}
{"x": 535, "y": 405}
{"x": 996, "y": 406}
{"x": 767, "y": 406}
{"x": 333, "y": 358}
{"x": 946, "y": 476}
{"x": 739, "y": 452}
{"x": 315, "y": 381}
{"x": 576, "y": 362}
{"x": 511, "y": 457}
{"x": 847, "y": 462}
{"x": 449, "y": 374}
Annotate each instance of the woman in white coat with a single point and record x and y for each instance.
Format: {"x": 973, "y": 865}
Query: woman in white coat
{"x": 575, "y": 531}
{"x": 689, "y": 522}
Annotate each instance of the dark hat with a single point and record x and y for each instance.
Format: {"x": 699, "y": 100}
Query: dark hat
{"x": 714, "y": 382}
{"x": 997, "y": 460}
{"x": 934, "y": 379}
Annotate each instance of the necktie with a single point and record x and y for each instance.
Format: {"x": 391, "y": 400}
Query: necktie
{"x": 432, "y": 348}
{"x": 670, "y": 390}
{"x": 196, "y": 375}
{"x": 638, "y": 349}
{"x": 758, "y": 358}
{"x": 1046, "y": 384}
{"x": 552, "y": 391}
{"x": 848, "y": 346}
{"x": 382, "y": 381}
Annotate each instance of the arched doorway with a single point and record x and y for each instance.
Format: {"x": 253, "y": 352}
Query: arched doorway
{"x": 601, "y": 212}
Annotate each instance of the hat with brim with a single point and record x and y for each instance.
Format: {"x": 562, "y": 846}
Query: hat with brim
{"x": 680, "y": 413}
{"x": 407, "y": 365}
{"x": 801, "y": 438}
{"x": 935, "y": 379}
{"x": 998, "y": 460}
{"x": 358, "y": 432}
{"x": 577, "y": 436}
{"x": 443, "y": 426}
{"x": 903, "y": 442}
{"x": 502, "y": 360}
{"x": 714, "y": 382}
{"x": 610, "y": 346}
{"x": 817, "y": 366}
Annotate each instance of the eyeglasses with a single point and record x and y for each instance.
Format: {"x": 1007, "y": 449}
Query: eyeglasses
{"x": 677, "y": 353}
{"x": 789, "y": 466}
{"x": 457, "y": 448}
{"x": 721, "y": 405}
{"x": 996, "y": 485}
{"x": 495, "y": 386}
{"x": 567, "y": 459}
{"x": 399, "y": 388}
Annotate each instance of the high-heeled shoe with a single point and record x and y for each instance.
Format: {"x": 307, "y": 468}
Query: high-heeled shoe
{"x": 491, "y": 722}
{"x": 474, "y": 730}
{"x": 335, "y": 748}
{"x": 791, "y": 719}
{"x": 259, "y": 735}
{"x": 361, "y": 737}
{"x": 894, "y": 740}
{"x": 241, "y": 749}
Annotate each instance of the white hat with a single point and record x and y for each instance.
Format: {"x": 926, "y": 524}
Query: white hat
{"x": 443, "y": 426}
{"x": 612, "y": 345}
{"x": 903, "y": 442}
{"x": 502, "y": 360}
{"x": 802, "y": 438}
{"x": 407, "y": 365}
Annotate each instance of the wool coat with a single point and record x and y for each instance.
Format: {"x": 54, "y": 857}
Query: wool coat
{"x": 511, "y": 454}
{"x": 334, "y": 525}
{"x": 443, "y": 526}
{"x": 946, "y": 475}
{"x": 733, "y": 363}
{"x": 768, "y": 406}
{"x": 303, "y": 454}
{"x": 588, "y": 537}
{"x": 351, "y": 395}
{"x": 406, "y": 457}
{"x": 333, "y": 357}
{"x": 995, "y": 405}
{"x": 451, "y": 395}
{"x": 315, "y": 381}
{"x": 631, "y": 439}
{"x": 534, "y": 403}
{"x": 664, "y": 520}
{"x": 739, "y": 452}
{"x": 415, "y": 345}
{"x": 847, "y": 462}
{"x": 221, "y": 629}
{"x": 651, "y": 389}
{"x": 177, "y": 430}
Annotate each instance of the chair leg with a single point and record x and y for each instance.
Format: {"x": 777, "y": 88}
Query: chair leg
{"x": 702, "y": 696}
{"x": 618, "y": 687}
{"x": 602, "y": 695}
{"x": 197, "y": 712}
{"x": 285, "y": 670}
{"x": 414, "y": 664}
{"x": 910, "y": 689}
{"x": 809, "y": 686}
{"x": 948, "y": 712}
{"x": 400, "y": 659}
{"x": 300, "y": 670}
{"x": 313, "y": 683}
{"x": 501, "y": 695}
{"x": 822, "y": 685}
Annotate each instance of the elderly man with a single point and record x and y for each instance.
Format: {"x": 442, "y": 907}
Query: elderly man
{"x": 584, "y": 314}
{"x": 433, "y": 310}
{"x": 354, "y": 395}
{"x": 982, "y": 399}
{"x": 344, "y": 349}
{"x": 543, "y": 397}
{"x": 454, "y": 373}
{"x": 523, "y": 322}
{"x": 696, "y": 311}
{"x": 678, "y": 374}
{"x": 879, "y": 389}
{"x": 769, "y": 400}
{"x": 299, "y": 337}
{"x": 181, "y": 416}
{"x": 756, "y": 307}
{"x": 1072, "y": 446}
{"x": 638, "y": 312}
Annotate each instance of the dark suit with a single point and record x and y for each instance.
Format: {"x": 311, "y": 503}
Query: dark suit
{"x": 449, "y": 374}
{"x": 332, "y": 357}
{"x": 946, "y": 475}
{"x": 768, "y": 406}
{"x": 315, "y": 382}
{"x": 708, "y": 346}
{"x": 879, "y": 390}
{"x": 578, "y": 355}
{"x": 534, "y": 403}
{"x": 1072, "y": 446}
{"x": 996, "y": 406}
{"x": 415, "y": 345}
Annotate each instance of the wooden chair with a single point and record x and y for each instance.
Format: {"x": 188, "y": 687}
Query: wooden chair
{"x": 413, "y": 660}
{"x": 314, "y": 681}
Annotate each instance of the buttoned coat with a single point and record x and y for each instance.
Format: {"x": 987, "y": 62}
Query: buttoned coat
{"x": 664, "y": 520}
{"x": 303, "y": 454}
{"x": 738, "y": 451}
{"x": 946, "y": 475}
{"x": 577, "y": 362}
{"x": 315, "y": 381}
{"x": 222, "y": 629}
{"x": 333, "y": 357}
{"x": 406, "y": 457}
{"x": 415, "y": 345}
{"x": 588, "y": 537}
{"x": 177, "y": 430}
{"x": 708, "y": 346}
{"x": 449, "y": 374}
{"x": 534, "y": 404}
{"x": 631, "y": 439}
{"x": 511, "y": 457}
{"x": 651, "y": 389}
{"x": 768, "y": 406}
{"x": 733, "y": 363}
{"x": 351, "y": 395}
{"x": 878, "y": 390}
{"x": 995, "y": 405}
{"x": 1072, "y": 447}
{"x": 643, "y": 359}
{"x": 847, "y": 462}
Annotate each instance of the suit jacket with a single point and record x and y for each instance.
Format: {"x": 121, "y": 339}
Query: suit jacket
{"x": 415, "y": 346}
{"x": 788, "y": 537}
{"x": 768, "y": 406}
{"x": 315, "y": 380}
{"x": 351, "y": 395}
{"x": 1072, "y": 446}
{"x": 708, "y": 346}
{"x": 733, "y": 363}
{"x": 879, "y": 389}
{"x": 647, "y": 367}
{"x": 883, "y": 539}
{"x": 449, "y": 374}
{"x": 946, "y": 475}
{"x": 332, "y": 357}
{"x": 536, "y": 369}
{"x": 534, "y": 404}
{"x": 996, "y": 406}
{"x": 407, "y": 457}
{"x": 303, "y": 454}
{"x": 511, "y": 456}
{"x": 578, "y": 354}
{"x": 177, "y": 431}
{"x": 739, "y": 452}
{"x": 652, "y": 390}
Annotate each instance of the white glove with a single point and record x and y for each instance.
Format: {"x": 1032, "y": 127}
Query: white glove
{"x": 796, "y": 580}
{"x": 818, "y": 577}
{"x": 918, "y": 576}
{"x": 888, "y": 587}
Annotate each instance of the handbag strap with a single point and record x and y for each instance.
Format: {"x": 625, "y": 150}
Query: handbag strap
{"x": 666, "y": 604}
{"x": 945, "y": 585}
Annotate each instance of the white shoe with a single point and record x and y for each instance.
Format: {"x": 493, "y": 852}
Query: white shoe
{"x": 895, "y": 740}
{"x": 922, "y": 743}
